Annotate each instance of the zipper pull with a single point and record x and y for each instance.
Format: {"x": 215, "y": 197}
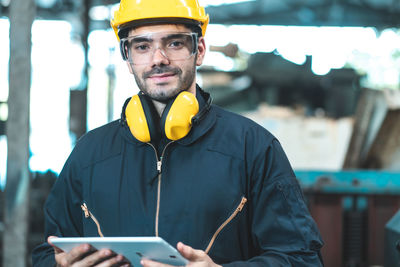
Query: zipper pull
{"x": 89, "y": 214}
{"x": 85, "y": 210}
{"x": 159, "y": 164}
{"x": 242, "y": 203}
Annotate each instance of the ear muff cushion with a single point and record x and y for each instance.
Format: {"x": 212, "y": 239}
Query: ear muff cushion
{"x": 176, "y": 121}
{"x": 136, "y": 120}
{"x": 140, "y": 119}
{"x": 164, "y": 115}
{"x": 152, "y": 117}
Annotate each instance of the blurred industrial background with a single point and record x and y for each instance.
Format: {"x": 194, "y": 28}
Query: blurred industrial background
{"x": 321, "y": 75}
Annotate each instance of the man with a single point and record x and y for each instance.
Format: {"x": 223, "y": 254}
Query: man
{"x": 213, "y": 183}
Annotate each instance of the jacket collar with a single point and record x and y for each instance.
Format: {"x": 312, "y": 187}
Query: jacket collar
{"x": 202, "y": 122}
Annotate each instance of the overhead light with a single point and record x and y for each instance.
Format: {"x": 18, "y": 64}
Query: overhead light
{"x": 3, "y": 111}
{"x": 46, "y": 3}
{"x": 102, "y": 12}
{"x": 5, "y": 2}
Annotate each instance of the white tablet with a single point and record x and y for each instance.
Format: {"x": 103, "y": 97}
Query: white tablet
{"x": 133, "y": 248}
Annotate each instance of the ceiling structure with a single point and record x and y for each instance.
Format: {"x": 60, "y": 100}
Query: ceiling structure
{"x": 375, "y": 13}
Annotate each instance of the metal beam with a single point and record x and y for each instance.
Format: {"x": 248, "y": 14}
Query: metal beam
{"x": 357, "y": 182}
{"x": 385, "y": 14}
{"x": 323, "y": 14}
{"x": 370, "y": 112}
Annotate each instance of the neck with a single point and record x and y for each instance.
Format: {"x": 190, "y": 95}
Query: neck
{"x": 159, "y": 106}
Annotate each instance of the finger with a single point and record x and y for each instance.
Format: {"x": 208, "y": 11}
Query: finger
{"x": 150, "y": 263}
{"x": 95, "y": 258}
{"x": 79, "y": 252}
{"x": 66, "y": 259}
{"x": 190, "y": 253}
{"x": 59, "y": 255}
{"x": 116, "y": 260}
{"x": 125, "y": 263}
{"x": 56, "y": 249}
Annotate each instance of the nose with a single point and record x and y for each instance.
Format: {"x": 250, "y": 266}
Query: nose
{"x": 159, "y": 58}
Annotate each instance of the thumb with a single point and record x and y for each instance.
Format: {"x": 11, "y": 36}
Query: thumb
{"x": 56, "y": 249}
{"x": 190, "y": 253}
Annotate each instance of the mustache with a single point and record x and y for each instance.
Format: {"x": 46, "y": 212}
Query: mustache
{"x": 161, "y": 70}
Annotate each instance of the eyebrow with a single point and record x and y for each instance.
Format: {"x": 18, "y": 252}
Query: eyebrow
{"x": 172, "y": 36}
{"x": 140, "y": 39}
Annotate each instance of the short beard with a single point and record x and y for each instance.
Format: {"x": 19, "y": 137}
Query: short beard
{"x": 184, "y": 82}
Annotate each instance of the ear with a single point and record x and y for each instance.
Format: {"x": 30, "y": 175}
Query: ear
{"x": 201, "y": 51}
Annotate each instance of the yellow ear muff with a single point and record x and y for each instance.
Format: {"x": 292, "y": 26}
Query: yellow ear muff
{"x": 179, "y": 119}
{"x": 136, "y": 120}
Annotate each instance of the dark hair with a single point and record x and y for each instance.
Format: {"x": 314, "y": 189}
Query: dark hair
{"x": 192, "y": 25}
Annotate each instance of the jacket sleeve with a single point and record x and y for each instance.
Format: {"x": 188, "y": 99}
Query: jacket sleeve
{"x": 283, "y": 232}
{"x": 61, "y": 211}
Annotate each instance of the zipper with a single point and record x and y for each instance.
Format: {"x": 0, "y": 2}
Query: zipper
{"x": 222, "y": 226}
{"x": 159, "y": 168}
{"x": 89, "y": 214}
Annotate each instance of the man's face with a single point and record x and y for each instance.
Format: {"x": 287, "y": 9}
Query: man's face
{"x": 163, "y": 78}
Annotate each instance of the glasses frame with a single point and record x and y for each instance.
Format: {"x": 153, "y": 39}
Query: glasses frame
{"x": 124, "y": 42}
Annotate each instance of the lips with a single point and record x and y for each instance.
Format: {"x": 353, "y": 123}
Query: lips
{"x": 161, "y": 77}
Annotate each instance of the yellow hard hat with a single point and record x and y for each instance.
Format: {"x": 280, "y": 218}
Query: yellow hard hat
{"x": 131, "y": 11}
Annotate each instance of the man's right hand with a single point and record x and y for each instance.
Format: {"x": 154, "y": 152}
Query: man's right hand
{"x": 86, "y": 255}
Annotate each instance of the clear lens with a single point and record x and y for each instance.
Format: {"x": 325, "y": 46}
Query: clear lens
{"x": 140, "y": 49}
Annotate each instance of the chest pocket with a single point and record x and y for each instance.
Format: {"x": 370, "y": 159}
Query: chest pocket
{"x": 225, "y": 223}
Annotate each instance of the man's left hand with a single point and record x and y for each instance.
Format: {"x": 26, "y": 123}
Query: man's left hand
{"x": 197, "y": 258}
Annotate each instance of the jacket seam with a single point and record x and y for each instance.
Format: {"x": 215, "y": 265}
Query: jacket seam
{"x": 87, "y": 165}
{"x": 224, "y": 153}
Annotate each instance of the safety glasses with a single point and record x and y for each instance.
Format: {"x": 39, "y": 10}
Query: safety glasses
{"x": 140, "y": 49}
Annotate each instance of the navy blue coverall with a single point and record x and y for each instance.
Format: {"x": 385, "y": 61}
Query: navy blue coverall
{"x": 227, "y": 188}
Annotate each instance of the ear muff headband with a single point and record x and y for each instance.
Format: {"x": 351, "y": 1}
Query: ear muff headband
{"x": 136, "y": 120}
{"x": 178, "y": 119}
